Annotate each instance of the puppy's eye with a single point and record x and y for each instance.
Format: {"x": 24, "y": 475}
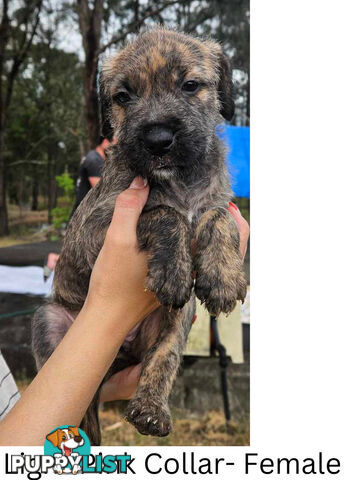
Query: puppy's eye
{"x": 121, "y": 98}
{"x": 64, "y": 437}
{"x": 191, "y": 86}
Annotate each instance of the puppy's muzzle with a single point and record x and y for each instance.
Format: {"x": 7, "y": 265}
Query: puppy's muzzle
{"x": 158, "y": 139}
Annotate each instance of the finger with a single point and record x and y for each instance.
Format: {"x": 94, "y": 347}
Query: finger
{"x": 128, "y": 207}
{"x": 121, "y": 385}
{"x": 239, "y": 219}
{"x": 233, "y": 209}
{"x": 131, "y": 374}
{"x": 243, "y": 227}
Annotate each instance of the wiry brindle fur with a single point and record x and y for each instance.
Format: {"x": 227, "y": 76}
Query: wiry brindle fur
{"x": 162, "y": 96}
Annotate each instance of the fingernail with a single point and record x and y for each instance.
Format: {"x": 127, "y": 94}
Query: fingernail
{"x": 139, "y": 183}
{"x": 233, "y": 205}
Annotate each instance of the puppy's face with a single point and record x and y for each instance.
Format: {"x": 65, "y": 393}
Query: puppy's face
{"x": 162, "y": 97}
{"x": 66, "y": 439}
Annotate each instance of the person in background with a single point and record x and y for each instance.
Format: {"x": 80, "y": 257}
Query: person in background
{"x": 90, "y": 172}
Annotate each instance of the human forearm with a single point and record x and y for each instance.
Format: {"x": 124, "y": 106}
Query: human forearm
{"x": 116, "y": 301}
{"x": 64, "y": 387}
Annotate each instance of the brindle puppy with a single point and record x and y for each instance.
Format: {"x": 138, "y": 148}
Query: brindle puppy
{"x": 162, "y": 97}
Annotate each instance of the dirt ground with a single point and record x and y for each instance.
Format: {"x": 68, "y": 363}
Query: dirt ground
{"x": 25, "y": 216}
{"x": 24, "y": 225}
{"x": 208, "y": 430}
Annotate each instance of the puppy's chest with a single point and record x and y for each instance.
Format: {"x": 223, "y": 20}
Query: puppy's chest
{"x": 190, "y": 203}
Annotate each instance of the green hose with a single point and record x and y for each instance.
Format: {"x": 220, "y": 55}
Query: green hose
{"x": 16, "y": 314}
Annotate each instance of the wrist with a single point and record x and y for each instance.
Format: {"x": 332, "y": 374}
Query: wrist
{"x": 120, "y": 312}
{"x": 112, "y": 320}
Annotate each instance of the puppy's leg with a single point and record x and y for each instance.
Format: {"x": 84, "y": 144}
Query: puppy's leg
{"x": 148, "y": 411}
{"x": 164, "y": 234}
{"x": 220, "y": 280}
{"x": 49, "y": 325}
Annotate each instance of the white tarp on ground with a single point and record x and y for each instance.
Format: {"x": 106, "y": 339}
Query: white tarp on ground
{"x": 25, "y": 280}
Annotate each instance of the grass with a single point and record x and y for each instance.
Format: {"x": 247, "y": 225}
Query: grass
{"x": 209, "y": 429}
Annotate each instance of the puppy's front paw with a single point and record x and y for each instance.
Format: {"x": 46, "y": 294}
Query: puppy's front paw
{"x": 150, "y": 416}
{"x": 220, "y": 286}
{"x": 172, "y": 283}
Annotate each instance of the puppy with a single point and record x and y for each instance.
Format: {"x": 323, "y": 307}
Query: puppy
{"x": 162, "y": 96}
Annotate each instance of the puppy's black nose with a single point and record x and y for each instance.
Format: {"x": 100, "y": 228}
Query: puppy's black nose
{"x": 158, "y": 138}
{"x": 78, "y": 438}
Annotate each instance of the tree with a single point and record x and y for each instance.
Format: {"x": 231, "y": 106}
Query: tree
{"x": 16, "y": 37}
{"x": 45, "y": 129}
{"x": 90, "y": 24}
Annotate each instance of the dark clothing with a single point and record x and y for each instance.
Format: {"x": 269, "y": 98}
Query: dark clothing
{"x": 90, "y": 166}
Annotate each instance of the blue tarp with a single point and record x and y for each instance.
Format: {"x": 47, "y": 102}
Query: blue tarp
{"x": 237, "y": 140}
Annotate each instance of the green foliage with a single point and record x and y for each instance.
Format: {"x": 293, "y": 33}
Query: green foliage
{"x": 44, "y": 133}
{"x": 66, "y": 183}
{"x": 60, "y": 216}
{"x": 61, "y": 213}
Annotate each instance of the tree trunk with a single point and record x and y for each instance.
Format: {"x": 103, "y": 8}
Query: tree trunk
{"x": 4, "y": 228}
{"x": 50, "y": 190}
{"x": 91, "y": 103}
{"x": 35, "y": 192}
{"x": 15, "y": 59}
{"x": 90, "y": 24}
{"x": 54, "y": 191}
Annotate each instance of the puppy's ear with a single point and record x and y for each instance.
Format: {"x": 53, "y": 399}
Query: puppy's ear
{"x": 53, "y": 438}
{"x": 75, "y": 431}
{"x": 104, "y": 110}
{"x": 225, "y": 88}
{"x": 105, "y": 114}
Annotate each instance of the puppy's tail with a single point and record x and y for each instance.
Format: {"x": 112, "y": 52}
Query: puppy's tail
{"x": 90, "y": 422}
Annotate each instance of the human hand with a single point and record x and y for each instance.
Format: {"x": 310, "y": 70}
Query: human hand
{"x": 52, "y": 260}
{"x": 243, "y": 227}
{"x": 122, "y": 385}
{"x": 118, "y": 277}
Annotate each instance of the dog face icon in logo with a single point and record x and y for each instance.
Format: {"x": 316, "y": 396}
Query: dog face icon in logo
{"x": 66, "y": 439}
{"x": 67, "y": 443}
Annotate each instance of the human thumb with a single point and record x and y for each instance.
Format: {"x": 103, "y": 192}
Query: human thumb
{"x": 128, "y": 207}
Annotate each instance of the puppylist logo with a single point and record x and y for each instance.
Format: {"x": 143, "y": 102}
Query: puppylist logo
{"x": 68, "y": 445}
{"x": 67, "y": 450}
